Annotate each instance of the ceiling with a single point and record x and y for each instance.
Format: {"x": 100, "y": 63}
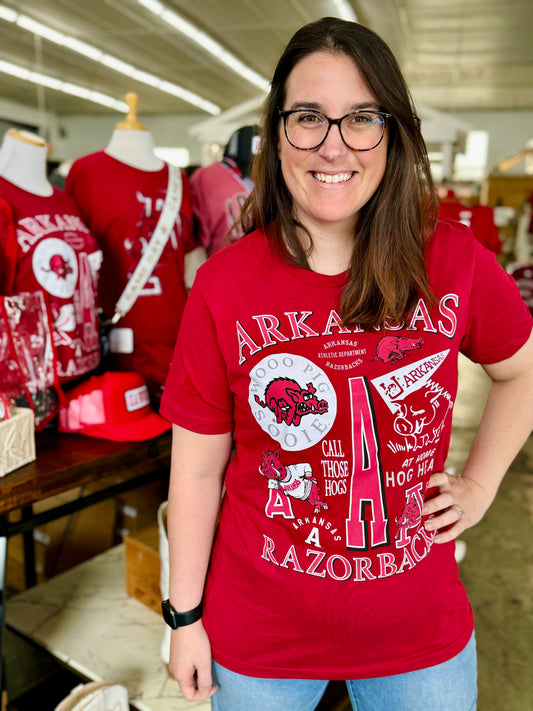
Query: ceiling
{"x": 456, "y": 54}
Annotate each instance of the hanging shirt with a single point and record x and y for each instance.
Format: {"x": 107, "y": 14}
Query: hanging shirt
{"x": 44, "y": 244}
{"x": 321, "y": 566}
{"x": 219, "y": 191}
{"x": 121, "y": 205}
{"x": 480, "y": 219}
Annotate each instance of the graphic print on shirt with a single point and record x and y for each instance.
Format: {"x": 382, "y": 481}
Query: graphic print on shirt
{"x": 391, "y": 349}
{"x": 232, "y": 207}
{"x": 294, "y": 480}
{"x": 419, "y": 404}
{"x": 68, "y": 276}
{"x": 297, "y": 411}
{"x": 365, "y": 513}
{"x": 135, "y": 245}
{"x": 411, "y": 515}
{"x": 357, "y": 483}
{"x": 55, "y": 267}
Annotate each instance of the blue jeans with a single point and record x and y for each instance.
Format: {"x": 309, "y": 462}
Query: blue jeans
{"x": 451, "y": 686}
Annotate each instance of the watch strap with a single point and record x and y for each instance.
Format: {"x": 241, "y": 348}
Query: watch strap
{"x": 175, "y": 619}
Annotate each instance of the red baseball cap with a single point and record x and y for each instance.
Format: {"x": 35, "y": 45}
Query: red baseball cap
{"x": 115, "y": 405}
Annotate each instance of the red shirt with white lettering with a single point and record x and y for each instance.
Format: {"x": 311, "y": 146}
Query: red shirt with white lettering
{"x": 122, "y": 205}
{"x": 321, "y": 566}
{"x": 44, "y": 244}
{"x": 480, "y": 219}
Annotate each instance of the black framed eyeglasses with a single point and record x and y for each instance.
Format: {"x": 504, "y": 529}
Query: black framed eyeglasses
{"x": 306, "y": 129}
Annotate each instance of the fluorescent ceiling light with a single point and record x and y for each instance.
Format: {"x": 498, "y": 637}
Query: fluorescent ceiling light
{"x": 108, "y": 60}
{"x": 87, "y": 50}
{"x": 206, "y": 42}
{"x": 117, "y": 64}
{"x": 6, "y": 13}
{"x": 39, "y": 29}
{"x": 66, "y": 87}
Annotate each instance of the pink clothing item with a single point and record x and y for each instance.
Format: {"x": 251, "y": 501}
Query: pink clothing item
{"x": 121, "y": 205}
{"x": 321, "y": 567}
{"x": 44, "y": 244}
{"x": 218, "y": 192}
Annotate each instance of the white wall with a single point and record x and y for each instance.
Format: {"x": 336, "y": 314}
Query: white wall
{"x": 78, "y": 135}
{"x": 508, "y": 132}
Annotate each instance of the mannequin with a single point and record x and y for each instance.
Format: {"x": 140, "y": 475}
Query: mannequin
{"x": 220, "y": 189}
{"x": 242, "y": 146}
{"x": 121, "y": 192}
{"x": 44, "y": 245}
{"x": 131, "y": 143}
{"x": 23, "y": 162}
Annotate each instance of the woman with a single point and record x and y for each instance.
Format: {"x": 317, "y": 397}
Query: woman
{"x": 324, "y": 344}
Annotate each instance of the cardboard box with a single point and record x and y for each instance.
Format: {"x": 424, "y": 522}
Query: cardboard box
{"x": 137, "y": 509}
{"x": 17, "y": 440}
{"x": 143, "y": 567}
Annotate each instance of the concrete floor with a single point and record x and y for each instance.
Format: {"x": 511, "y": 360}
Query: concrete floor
{"x": 497, "y": 572}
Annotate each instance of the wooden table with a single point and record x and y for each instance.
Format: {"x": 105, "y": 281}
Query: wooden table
{"x": 65, "y": 462}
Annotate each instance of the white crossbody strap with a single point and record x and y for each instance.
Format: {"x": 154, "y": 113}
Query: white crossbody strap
{"x": 155, "y": 248}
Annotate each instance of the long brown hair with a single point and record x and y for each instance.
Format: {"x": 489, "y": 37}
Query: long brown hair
{"x": 387, "y": 271}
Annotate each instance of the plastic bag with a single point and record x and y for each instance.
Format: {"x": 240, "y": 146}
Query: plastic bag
{"x": 96, "y": 696}
{"x": 28, "y": 374}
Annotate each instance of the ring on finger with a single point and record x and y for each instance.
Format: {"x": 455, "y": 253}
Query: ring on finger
{"x": 461, "y": 511}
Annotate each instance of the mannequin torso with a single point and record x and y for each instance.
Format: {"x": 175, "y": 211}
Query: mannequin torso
{"x": 134, "y": 147}
{"x": 45, "y": 246}
{"x": 23, "y": 162}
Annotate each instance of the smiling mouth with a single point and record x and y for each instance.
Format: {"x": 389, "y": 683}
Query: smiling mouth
{"x": 337, "y": 178}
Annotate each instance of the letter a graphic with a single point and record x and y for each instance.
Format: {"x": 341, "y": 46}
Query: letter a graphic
{"x": 278, "y": 505}
{"x": 366, "y": 489}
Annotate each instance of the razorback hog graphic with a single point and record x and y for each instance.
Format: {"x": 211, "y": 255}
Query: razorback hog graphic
{"x": 391, "y": 349}
{"x": 289, "y": 402}
{"x": 410, "y": 515}
{"x": 294, "y": 480}
{"x": 60, "y": 266}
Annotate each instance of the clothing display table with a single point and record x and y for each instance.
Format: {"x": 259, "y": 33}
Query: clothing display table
{"x": 85, "y": 618}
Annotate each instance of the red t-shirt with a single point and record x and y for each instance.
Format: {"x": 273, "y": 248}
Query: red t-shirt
{"x": 321, "y": 567}
{"x": 218, "y": 192}
{"x": 121, "y": 205}
{"x": 480, "y": 219}
{"x": 45, "y": 245}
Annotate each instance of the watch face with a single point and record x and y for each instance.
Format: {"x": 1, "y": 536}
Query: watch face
{"x": 175, "y": 619}
{"x": 169, "y": 614}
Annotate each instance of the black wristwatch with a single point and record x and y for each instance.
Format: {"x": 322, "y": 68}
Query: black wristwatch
{"x": 175, "y": 619}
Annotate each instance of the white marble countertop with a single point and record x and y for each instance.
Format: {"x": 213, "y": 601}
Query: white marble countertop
{"x": 85, "y": 618}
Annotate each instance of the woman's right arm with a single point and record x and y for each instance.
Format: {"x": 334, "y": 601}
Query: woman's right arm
{"x": 196, "y": 479}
